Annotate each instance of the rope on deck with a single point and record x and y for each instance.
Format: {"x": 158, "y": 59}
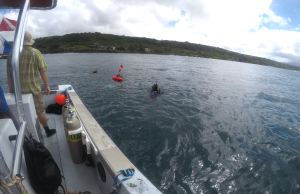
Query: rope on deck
{"x": 16, "y": 179}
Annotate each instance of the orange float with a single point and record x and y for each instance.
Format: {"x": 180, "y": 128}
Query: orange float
{"x": 60, "y": 99}
{"x": 117, "y": 78}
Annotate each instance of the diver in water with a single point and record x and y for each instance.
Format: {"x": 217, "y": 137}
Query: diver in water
{"x": 118, "y": 75}
{"x": 155, "y": 88}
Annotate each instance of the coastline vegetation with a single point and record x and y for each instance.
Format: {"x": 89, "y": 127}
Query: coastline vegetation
{"x": 108, "y": 43}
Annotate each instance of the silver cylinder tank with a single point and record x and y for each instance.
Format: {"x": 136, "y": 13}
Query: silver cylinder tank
{"x": 74, "y": 141}
{"x": 65, "y": 107}
{"x": 67, "y": 114}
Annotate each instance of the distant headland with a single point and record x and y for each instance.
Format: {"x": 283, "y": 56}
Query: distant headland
{"x": 108, "y": 43}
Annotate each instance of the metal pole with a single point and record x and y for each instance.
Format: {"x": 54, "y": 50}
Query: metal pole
{"x": 17, "y": 157}
{"x": 18, "y": 45}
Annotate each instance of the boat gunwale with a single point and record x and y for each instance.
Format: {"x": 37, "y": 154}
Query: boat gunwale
{"x": 99, "y": 138}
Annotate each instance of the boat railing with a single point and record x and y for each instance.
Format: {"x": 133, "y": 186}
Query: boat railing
{"x": 18, "y": 45}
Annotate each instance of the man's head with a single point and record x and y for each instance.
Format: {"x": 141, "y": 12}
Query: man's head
{"x": 154, "y": 87}
{"x": 28, "y": 39}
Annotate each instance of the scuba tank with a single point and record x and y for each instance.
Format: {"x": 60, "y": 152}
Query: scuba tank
{"x": 74, "y": 141}
{"x": 65, "y": 107}
{"x": 66, "y": 114}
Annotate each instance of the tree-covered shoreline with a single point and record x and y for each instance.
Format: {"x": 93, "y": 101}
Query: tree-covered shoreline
{"x": 108, "y": 43}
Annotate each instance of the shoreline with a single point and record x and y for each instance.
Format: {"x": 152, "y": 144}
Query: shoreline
{"x": 286, "y": 66}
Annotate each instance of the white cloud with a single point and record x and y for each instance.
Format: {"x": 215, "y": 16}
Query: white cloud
{"x": 271, "y": 17}
{"x": 233, "y": 24}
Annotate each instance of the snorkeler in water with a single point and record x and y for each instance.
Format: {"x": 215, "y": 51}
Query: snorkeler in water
{"x": 155, "y": 88}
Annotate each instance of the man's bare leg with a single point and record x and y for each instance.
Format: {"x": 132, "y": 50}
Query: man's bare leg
{"x": 43, "y": 121}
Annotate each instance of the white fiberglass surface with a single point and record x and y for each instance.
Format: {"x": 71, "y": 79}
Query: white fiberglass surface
{"x": 78, "y": 177}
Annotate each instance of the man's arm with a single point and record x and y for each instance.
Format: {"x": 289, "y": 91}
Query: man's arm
{"x": 10, "y": 83}
{"x": 45, "y": 80}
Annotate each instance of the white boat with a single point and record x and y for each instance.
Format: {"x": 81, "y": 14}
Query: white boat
{"x": 101, "y": 151}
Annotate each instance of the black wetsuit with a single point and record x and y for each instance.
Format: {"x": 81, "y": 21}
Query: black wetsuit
{"x": 154, "y": 88}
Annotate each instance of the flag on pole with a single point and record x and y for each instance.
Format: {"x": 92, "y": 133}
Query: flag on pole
{"x": 5, "y": 47}
{"x": 7, "y": 24}
{"x": 121, "y": 67}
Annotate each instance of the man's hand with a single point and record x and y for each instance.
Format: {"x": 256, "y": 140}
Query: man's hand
{"x": 47, "y": 90}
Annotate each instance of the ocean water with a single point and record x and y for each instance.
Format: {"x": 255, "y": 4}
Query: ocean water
{"x": 218, "y": 126}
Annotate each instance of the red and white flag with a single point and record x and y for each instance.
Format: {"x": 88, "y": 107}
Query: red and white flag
{"x": 121, "y": 67}
{"x": 7, "y": 24}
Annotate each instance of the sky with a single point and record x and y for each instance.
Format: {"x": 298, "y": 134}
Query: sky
{"x": 263, "y": 28}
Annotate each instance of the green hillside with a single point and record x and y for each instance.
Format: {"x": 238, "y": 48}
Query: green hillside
{"x": 97, "y": 42}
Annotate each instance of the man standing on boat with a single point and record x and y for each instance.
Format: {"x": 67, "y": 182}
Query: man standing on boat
{"x": 32, "y": 64}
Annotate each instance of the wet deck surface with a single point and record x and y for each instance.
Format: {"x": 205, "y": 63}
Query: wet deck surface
{"x": 78, "y": 177}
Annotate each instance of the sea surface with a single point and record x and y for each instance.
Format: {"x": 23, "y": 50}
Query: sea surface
{"x": 218, "y": 126}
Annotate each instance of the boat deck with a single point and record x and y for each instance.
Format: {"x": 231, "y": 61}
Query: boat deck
{"x": 78, "y": 177}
